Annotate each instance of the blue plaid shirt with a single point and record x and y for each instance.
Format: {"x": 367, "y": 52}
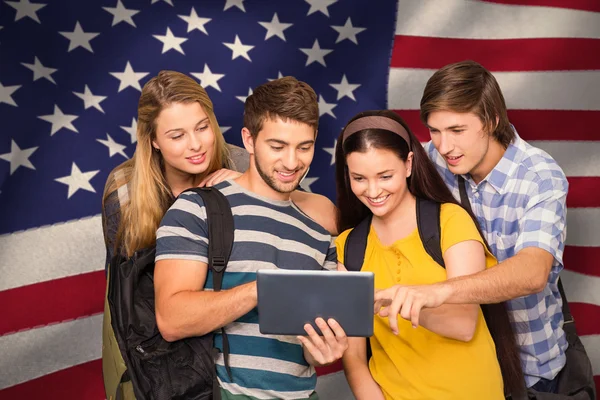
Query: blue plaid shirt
{"x": 522, "y": 203}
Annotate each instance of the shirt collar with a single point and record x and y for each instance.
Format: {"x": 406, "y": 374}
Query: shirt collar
{"x": 499, "y": 176}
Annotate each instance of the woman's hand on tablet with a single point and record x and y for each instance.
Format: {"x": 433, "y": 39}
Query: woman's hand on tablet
{"x": 326, "y": 349}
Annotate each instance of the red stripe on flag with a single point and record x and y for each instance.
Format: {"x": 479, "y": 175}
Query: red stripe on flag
{"x": 586, "y": 318}
{"x": 330, "y": 369}
{"x": 81, "y": 382}
{"x": 532, "y": 124}
{"x": 584, "y": 5}
{"x": 583, "y": 260}
{"x": 583, "y": 192}
{"x": 497, "y": 55}
{"x": 52, "y": 301}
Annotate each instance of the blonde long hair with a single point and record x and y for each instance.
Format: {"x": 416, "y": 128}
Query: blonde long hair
{"x": 149, "y": 193}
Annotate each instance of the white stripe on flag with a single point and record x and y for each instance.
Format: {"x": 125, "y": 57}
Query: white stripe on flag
{"x": 582, "y": 227}
{"x": 334, "y": 387}
{"x": 539, "y": 90}
{"x": 592, "y": 348}
{"x": 51, "y": 252}
{"x": 581, "y": 288}
{"x": 483, "y": 20}
{"x": 576, "y": 158}
{"x": 37, "y": 352}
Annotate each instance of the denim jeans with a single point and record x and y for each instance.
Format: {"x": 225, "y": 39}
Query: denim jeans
{"x": 546, "y": 386}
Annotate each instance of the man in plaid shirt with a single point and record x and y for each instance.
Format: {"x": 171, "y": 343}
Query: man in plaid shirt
{"x": 518, "y": 194}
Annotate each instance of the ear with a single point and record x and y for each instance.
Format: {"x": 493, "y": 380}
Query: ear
{"x": 248, "y": 140}
{"x": 408, "y": 163}
{"x": 155, "y": 145}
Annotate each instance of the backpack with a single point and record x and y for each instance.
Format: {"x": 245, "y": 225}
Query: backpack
{"x": 152, "y": 368}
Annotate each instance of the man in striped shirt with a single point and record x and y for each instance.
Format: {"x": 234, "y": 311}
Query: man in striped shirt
{"x": 518, "y": 194}
{"x": 280, "y": 125}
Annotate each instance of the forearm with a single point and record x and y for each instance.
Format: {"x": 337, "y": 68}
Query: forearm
{"x": 360, "y": 379}
{"x": 517, "y": 276}
{"x": 454, "y": 321}
{"x": 196, "y": 313}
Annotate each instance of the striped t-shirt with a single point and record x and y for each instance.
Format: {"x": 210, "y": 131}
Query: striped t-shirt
{"x": 269, "y": 234}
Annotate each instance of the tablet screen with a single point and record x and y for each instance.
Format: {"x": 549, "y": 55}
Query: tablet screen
{"x": 288, "y": 299}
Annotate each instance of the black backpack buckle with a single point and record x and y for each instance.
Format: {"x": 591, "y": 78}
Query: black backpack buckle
{"x": 217, "y": 263}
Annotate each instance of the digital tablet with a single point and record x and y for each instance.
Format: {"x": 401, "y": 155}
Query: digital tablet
{"x": 288, "y": 299}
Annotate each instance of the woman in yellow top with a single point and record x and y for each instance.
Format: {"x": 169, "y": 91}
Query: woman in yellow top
{"x": 381, "y": 168}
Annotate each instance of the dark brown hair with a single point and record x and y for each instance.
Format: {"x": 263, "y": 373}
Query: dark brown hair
{"x": 286, "y": 98}
{"x": 467, "y": 87}
{"x": 424, "y": 182}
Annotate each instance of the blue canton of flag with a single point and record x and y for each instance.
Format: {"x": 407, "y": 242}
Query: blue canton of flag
{"x": 71, "y": 74}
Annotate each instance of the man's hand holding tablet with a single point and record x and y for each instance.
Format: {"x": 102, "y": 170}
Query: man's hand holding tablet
{"x": 322, "y": 308}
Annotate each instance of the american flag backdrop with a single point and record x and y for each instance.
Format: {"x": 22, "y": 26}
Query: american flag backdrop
{"x": 71, "y": 72}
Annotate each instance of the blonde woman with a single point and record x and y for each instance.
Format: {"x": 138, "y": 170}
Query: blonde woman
{"x": 179, "y": 145}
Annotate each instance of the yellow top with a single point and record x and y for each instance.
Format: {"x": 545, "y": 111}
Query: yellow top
{"x": 417, "y": 363}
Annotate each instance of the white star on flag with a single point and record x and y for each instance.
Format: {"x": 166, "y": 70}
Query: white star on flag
{"x": 169, "y": 2}
{"x": 320, "y": 5}
{"x": 239, "y": 49}
{"x": 39, "y": 71}
{"x": 275, "y": 28}
{"x": 243, "y": 98}
{"x": 17, "y": 157}
{"x": 208, "y": 78}
{"x": 6, "y": 94}
{"x": 195, "y": 22}
{"x": 129, "y": 78}
{"x": 113, "y": 147}
{"x": 347, "y": 31}
{"x": 60, "y": 120}
{"x": 79, "y": 38}
{"x": 78, "y": 180}
{"x": 316, "y": 54}
{"x": 306, "y": 182}
{"x": 26, "y": 9}
{"x": 121, "y": 14}
{"x": 171, "y": 41}
{"x": 279, "y": 76}
{"x": 224, "y": 129}
{"x": 132, "y": 130}
{"x": 331, "y": 150}
{"x": 344, "y": 88}
{"x": 234, "y": 3}
{"x": 89, "y": 100}
{"x": 325, "y": 107}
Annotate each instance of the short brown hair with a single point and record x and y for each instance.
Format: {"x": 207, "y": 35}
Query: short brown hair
{"x": 286, "y": 98}
{"x": 467, "y": 86}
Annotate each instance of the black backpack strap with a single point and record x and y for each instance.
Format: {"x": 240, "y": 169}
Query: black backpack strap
{"x": 569, "y": 322}
{"x": 220, "y": 242}
{"x": 356, "y": 245}
{"x": 464, "y": 201}
{"x": 220, "y": 231}
{"x": 428, "y": 223}
{"x": 354, "y": 253}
